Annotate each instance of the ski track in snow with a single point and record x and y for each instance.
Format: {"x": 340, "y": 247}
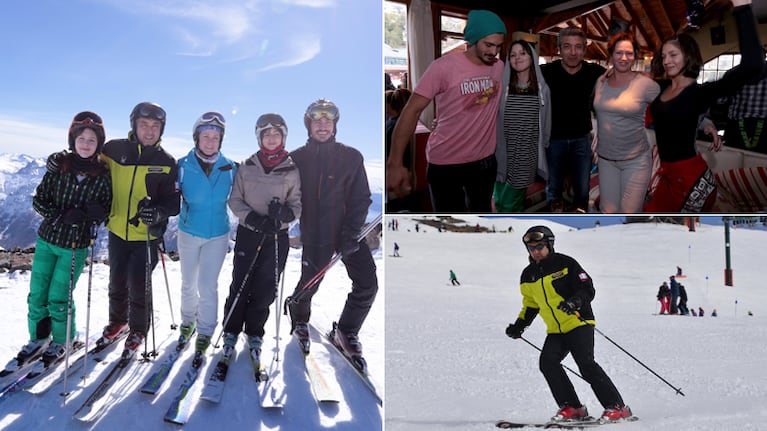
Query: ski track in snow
{"x": 451, "y": 366}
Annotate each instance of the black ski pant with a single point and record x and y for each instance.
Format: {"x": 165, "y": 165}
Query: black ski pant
{"x": 580, "y": 344}
{"x": 127, "y": 282}
{"x": 258, "y": 292}
{"x": 361, "y": 270}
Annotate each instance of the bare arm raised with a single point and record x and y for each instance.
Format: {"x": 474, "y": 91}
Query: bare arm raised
{"x": 396, "y": 174}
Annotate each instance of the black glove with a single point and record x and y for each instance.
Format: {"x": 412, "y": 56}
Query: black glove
{"x": 261, "y": 223}
{"x": 53, "y": 165}
{"x": 151, "y": 215}
{"x": 515, "y": 330}
{"x": 73, "y": 216}
{"x": 572, "y": 305}
{"x": 280, "y": 212}
{"x": 95, "y": 212}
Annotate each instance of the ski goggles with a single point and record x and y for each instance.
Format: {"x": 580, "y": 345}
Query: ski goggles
{"x": 319, "y": 111}
{"x": 151, "y": 111}
{"x": 273, "y": 120}
{"x": 539, "y": 247}
{"x": 533, "y": 236}
{"x": 88, "y": 118}
{"x": 212, "y": 117}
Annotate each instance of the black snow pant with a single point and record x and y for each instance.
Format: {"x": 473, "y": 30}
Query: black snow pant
{"x": 260, "y": 289}
{"x": 580, "y": 344}
{"x": 127, "y": 282}
{"x": 361, "y": 270}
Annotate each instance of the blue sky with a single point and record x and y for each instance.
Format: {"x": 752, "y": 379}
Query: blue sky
{"x": 242, "y": 58}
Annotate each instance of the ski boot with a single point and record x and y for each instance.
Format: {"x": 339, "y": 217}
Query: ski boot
{"x": 32, "y": 350}
{"x": 185, "y": 334}
{"x": 568, "y": 413}
{"x": 111, "y": 332}
{"x": 254, "y": 347}
{"x": 350, "y": 346}
{"x": 615, "y": 413}
{"x": 301, "y": 332}
{"x": 132, "y": 344}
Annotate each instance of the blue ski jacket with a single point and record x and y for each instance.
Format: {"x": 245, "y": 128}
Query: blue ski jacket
{"x": 203, "y": 198}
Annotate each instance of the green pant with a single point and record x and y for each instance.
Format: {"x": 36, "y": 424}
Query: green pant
{"x": 508, "y": 199}
{"x": 49, "y": 291}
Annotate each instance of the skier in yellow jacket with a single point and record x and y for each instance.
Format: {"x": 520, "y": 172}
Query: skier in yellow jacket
{"x": 556, "y": 287}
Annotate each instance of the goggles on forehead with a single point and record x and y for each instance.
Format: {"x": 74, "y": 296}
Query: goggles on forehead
{"x": 533, "y": 236}
{"x": 270, "y": 119}
{"x": 151, "y": 111}
{"x": 319, "y": 111}
{"x": 212, "y": 117}
{"x": 87, "y": 118}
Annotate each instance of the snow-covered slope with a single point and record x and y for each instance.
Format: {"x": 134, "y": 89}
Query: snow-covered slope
{"x": 450, "y": 366}
{"x": 240, "y": 409}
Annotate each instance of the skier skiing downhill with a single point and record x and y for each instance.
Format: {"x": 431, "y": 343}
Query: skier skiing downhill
{"x": 335, "y": 197}
{"x": 556, "y": 287}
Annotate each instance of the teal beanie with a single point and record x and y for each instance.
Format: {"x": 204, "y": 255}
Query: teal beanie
{"x": 482, "y": 23}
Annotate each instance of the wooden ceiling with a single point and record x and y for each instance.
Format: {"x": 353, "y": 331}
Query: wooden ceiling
{"x": 652, "y": 21}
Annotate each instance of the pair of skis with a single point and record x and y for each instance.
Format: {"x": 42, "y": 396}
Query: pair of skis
{"x": 589, "y": 422}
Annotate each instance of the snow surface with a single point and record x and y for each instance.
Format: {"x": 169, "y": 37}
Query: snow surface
{"x": 450, "y": 365}
{"x": 240, "y": 408}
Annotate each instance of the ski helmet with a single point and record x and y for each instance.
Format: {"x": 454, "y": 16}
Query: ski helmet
{"x": 539, "y": 233}
{"x": 87, "y": 120}
{"x": 271, "y": 121}
{"x": 147, "y": 110}
{"x": 322, "y": 108}
{"x": 212, "y": 120}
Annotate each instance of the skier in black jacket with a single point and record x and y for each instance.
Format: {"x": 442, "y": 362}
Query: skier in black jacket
{"x": 335, "y": 197}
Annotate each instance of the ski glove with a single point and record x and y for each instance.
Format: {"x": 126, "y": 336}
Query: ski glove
{"x": 95, "y": 212}
{"x": 151, "y": 215}
{"x": 53, "y": 165}
{"x": 73, "y": 216}
{"x": 515, "y": 330}
{"x": 571, "y": 305}
{"x": 261, "y": 223}
{"x": 281, "y": 212}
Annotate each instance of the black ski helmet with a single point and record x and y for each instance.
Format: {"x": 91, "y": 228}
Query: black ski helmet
{"x": 87, "y": 120}
{"x": 147, "y": 110}
{"x": 209, "y": 119}
{"x": 539, "y": 233}
{"x": 322, "y": 108}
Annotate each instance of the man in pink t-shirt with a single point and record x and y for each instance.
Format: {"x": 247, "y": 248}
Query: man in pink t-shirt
{"x": 461, "y": 149}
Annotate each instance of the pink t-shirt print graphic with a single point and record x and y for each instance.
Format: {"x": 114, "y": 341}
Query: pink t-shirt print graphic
{"x": 478, "y": 91}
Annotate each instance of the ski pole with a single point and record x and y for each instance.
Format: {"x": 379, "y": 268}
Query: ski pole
{"x": 678, "y": 390}
{"x": 173, "y": 325}
{"x": 279, "y": 297}
{"x": 336, "y": 257}
{"x": 94, "y": 233}
{"x": 69, "y": 311}
{"x": 239, "y": 291}
{"x": 563, "y": 365}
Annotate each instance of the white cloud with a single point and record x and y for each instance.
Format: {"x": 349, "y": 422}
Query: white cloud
{"x": 34, "y": 139}
{"x": 299, "y": 49}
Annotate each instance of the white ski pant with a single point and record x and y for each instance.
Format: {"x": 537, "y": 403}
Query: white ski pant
{"x": 201, "y": 260}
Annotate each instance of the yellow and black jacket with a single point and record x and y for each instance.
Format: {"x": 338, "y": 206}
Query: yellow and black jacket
{"x": 546, "y": 284}
{"x": 138, "y": 172}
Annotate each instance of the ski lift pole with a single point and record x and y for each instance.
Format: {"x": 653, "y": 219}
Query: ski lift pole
{"x": 336, "y": 257}
{"x": 678, "y": 390}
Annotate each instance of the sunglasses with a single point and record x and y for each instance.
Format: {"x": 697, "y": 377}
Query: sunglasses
{"x": 88, "y": 118}
{"x": 317, "y": 112}
{"x": 270, "y": 119}
{"x": 212, "y": 117}
{"x": 533, "y": 236}
{"x": 536, "y": 247}
{"x": 151, "y": 111}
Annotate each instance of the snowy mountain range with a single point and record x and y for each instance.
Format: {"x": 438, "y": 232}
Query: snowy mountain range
{"x": 20, "y": 174}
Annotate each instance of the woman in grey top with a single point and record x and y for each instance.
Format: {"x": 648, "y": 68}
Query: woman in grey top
{"x": 620, "y": 102}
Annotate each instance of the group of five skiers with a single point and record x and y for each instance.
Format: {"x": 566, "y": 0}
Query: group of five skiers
{"x": 135, "y": 185}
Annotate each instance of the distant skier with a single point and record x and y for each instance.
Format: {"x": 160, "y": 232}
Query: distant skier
{"x": 678, "y": 271}
{"x": 713, "y": 313}
{"x": 556, "y": 286}
{"x": 453, "y": 279}
{"x": 674, "y": 294}
{"x": 683, "y": 310}
{"x": 663, "y": 296}
{"x": 396, "y": 250}
{"x": 416, "y": 227}
{"x": 700, "y": 311}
